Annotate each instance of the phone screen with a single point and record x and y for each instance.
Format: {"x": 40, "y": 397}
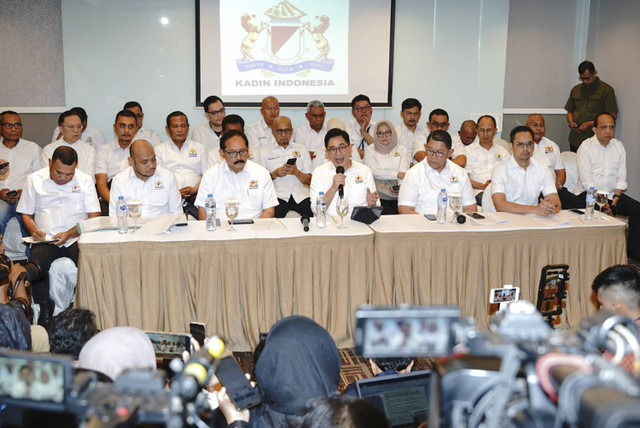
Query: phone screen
{"x": 292, "y": 161}
{"x": 197, "y": 330}
{"x": 430, "y": 217}
{"x": 169, "y": 345}
{"x": 238, "y": 387}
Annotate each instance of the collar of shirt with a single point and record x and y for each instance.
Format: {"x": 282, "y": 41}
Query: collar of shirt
{"x": 131, "y": 176}
{"x": 429, "y": 171}
{"x": 226, "y": 170}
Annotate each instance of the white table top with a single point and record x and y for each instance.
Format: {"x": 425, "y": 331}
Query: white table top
{"x": 493, "y": 222}
{"x": 271, "y": 228}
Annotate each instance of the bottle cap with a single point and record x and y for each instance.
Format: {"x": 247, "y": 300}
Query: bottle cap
{"x": 321, "y": 193}
{"x": 209, "y": 195}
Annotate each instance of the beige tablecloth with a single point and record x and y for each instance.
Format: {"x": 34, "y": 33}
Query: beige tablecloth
{"x": 424, "y": 263}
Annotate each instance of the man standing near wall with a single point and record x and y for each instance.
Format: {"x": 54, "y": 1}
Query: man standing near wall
{"x": 586, "y": 101}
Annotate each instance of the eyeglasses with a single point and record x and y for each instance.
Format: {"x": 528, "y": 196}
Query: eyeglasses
{"x": 362, "y": 108}
{"x": 241, "y": 153}
{"x": 8, "y": 125}
{"x": 384, "y": 133}
{"x": 586, "y": 78}
{"x": 216, "y": 112}
{"x": 522, "y": 144}
{"x": 434, "y": 153}
{"x": 285, "y": 131}
{"x": 335, "y": 149}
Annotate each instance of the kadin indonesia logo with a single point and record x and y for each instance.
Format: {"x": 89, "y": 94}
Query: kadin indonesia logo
{"x": 293, "y": 44}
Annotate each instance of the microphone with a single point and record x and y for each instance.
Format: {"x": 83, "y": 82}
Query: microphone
{"x": 198, "y": 369}
{"x": 460, "y": 218}
{"x": 340, "y": 170}
{"x": 305, "y": 223}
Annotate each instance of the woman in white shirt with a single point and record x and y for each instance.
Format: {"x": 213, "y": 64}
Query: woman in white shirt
{"x": 388, "y": 162}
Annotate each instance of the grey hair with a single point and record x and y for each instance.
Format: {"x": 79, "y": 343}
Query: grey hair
{"x": 314, "y": 103}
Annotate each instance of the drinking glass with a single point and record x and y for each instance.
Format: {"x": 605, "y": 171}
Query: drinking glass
{"x": 455, "y": 200}
{"x": 602, "y": 199}
{"x": 135, "y": 211}
{"x": 342, "y": 207}
{"x": 231, "y": 208}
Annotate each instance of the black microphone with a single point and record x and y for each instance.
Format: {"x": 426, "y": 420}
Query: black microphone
{"x": 461, "y": 219}
{"x": 340, "y": 170}
{"x": 305, "y": 223}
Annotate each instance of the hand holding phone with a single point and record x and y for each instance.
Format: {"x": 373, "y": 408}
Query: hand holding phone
{"x": 240, "y": 391}
{"x": 292, "y": 161}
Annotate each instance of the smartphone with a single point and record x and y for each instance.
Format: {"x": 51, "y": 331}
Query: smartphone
{"x": 4, "y": 165}
{"x": 245, "y": 221}
{"x": 575, "y": 210}
{"x": 169, "y": 345}
{"x": 12, "y": 193}
{"x": 476, "y": 216}
{"x": 395, "y": 188}
{"x": 292, "y": 161}
{"x": 504, "y": 295}
{"x": 197, "y": 331}
{"x": 230, "y": 375}
{"x": 430, "y": 217}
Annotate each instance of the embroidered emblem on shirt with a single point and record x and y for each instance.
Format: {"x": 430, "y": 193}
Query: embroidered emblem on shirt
{"x": 75, "y": 188}
{"x": 454, "y": 179}
{"x": 548, "y": 149}
{"x": 296, "y": 153}
{"x": 396, "y": 154}
{"x": 158, "y": 185}
{"x": 498, "y": 156}
{"x": 359, "y": 179}
{"x": 253, "y": 184}
{"x": 193, "y": 153}
{"x": 89, "y": 140}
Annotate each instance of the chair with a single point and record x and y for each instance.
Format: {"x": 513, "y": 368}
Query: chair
{"x": 571, "y": 167}
{"x": 487, "y": 201}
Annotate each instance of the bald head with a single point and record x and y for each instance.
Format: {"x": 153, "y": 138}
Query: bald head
{"x": 282, "y": 130}
{"x": 468, "y": 131}
{"x": 535, "y": 121}
{"x": 270, "y": 109}
{"x": 143, "y": 159}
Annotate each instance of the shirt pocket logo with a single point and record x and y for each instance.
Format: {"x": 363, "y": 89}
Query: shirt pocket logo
{"x": 158, "y": 185}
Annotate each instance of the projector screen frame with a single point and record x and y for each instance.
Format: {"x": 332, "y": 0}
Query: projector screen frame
{"x": 244, "y": 104}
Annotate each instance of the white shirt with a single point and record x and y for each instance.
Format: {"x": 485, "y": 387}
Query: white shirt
{"x": 522, "y": 186}
{"x": 358, "y": 179}
{"x": 58, "y": 208}
{"x": 259, "y": 135}
{"x": 420, "y": 141}
{"x": 604, "y": 168}
{"x": 274, "y": 156}
{"x": 406, "y": 137}
{"x": 149, "y": 135}
{"x": 353, "y": 129}
{"x": 547, "y": 153}
{"x": 86, "y": 155}
{"x": 252, "y": 187}
{"x": 385, "y": 168}
{"x": 111, "y": 159}
{"x": 24, "y": 158}
{"x": 187, "y": 163}
{"x": 422, "y": 184}
{"x": 159, "y": 193}
{"x": 206, "y": 136}
{"x": 92, "y": 136}
{"x": 313, "y": 141}
{"x": 480, "y": 161}
{"x": 457, "y": 146}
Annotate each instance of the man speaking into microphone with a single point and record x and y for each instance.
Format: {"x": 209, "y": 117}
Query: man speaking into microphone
{"x": 342, "y": 175}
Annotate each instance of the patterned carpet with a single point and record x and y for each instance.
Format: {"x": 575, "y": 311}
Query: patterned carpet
{"x": 353, "y": 367}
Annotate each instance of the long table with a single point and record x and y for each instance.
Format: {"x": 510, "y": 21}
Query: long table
{"x": 425, "y": 263}
{"x": 240, "y": 283}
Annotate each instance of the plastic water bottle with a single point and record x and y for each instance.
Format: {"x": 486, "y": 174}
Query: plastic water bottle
{"x": 591, "y": 203}
{"x": 210, "y": 209}
{"x": 122, "y": 211}
{"x": 442, "y": 206}
{"x": 321, "y": 211}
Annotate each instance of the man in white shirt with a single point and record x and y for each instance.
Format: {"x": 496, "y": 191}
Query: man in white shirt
{"x": 360, "y": 128}
{"x": 143, "y": 133}
{"x": 422, "y": 183}
{"x": 185, "y": 158}
{"x": 208, "y": 133}
{"x": 113, "y": 157}
{"x": 90, "y": 134}
{"x": 71, "y": 131}
{"x": 312, "y": 133}
{"x": 232, "y": 121}
{"x": 410, "y": 129}
{"x": 259, "y": 133}
{"x": 289, "y": 164}
{"x": 547, "y": 153}
{"x": 466, "y": 134}
{"x": 356, "y": 181}
{"x": 240, "y": 179}
{"x": 53, "y": 202}
{"x": 23, "y": 157}
{"x": 438, "y": 120}
{"x": 518, "y": 183}
{"x": 483, "y": 155}
{"x": 154, "y": 186}
{"x": 602, "y": 164}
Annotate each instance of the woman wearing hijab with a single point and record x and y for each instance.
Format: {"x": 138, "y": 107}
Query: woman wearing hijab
{"x": 299, "y": 362}
{"x": 14, "y": 329}
{"x": 117, "y": 349}
{"x": 388, "y": 162}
